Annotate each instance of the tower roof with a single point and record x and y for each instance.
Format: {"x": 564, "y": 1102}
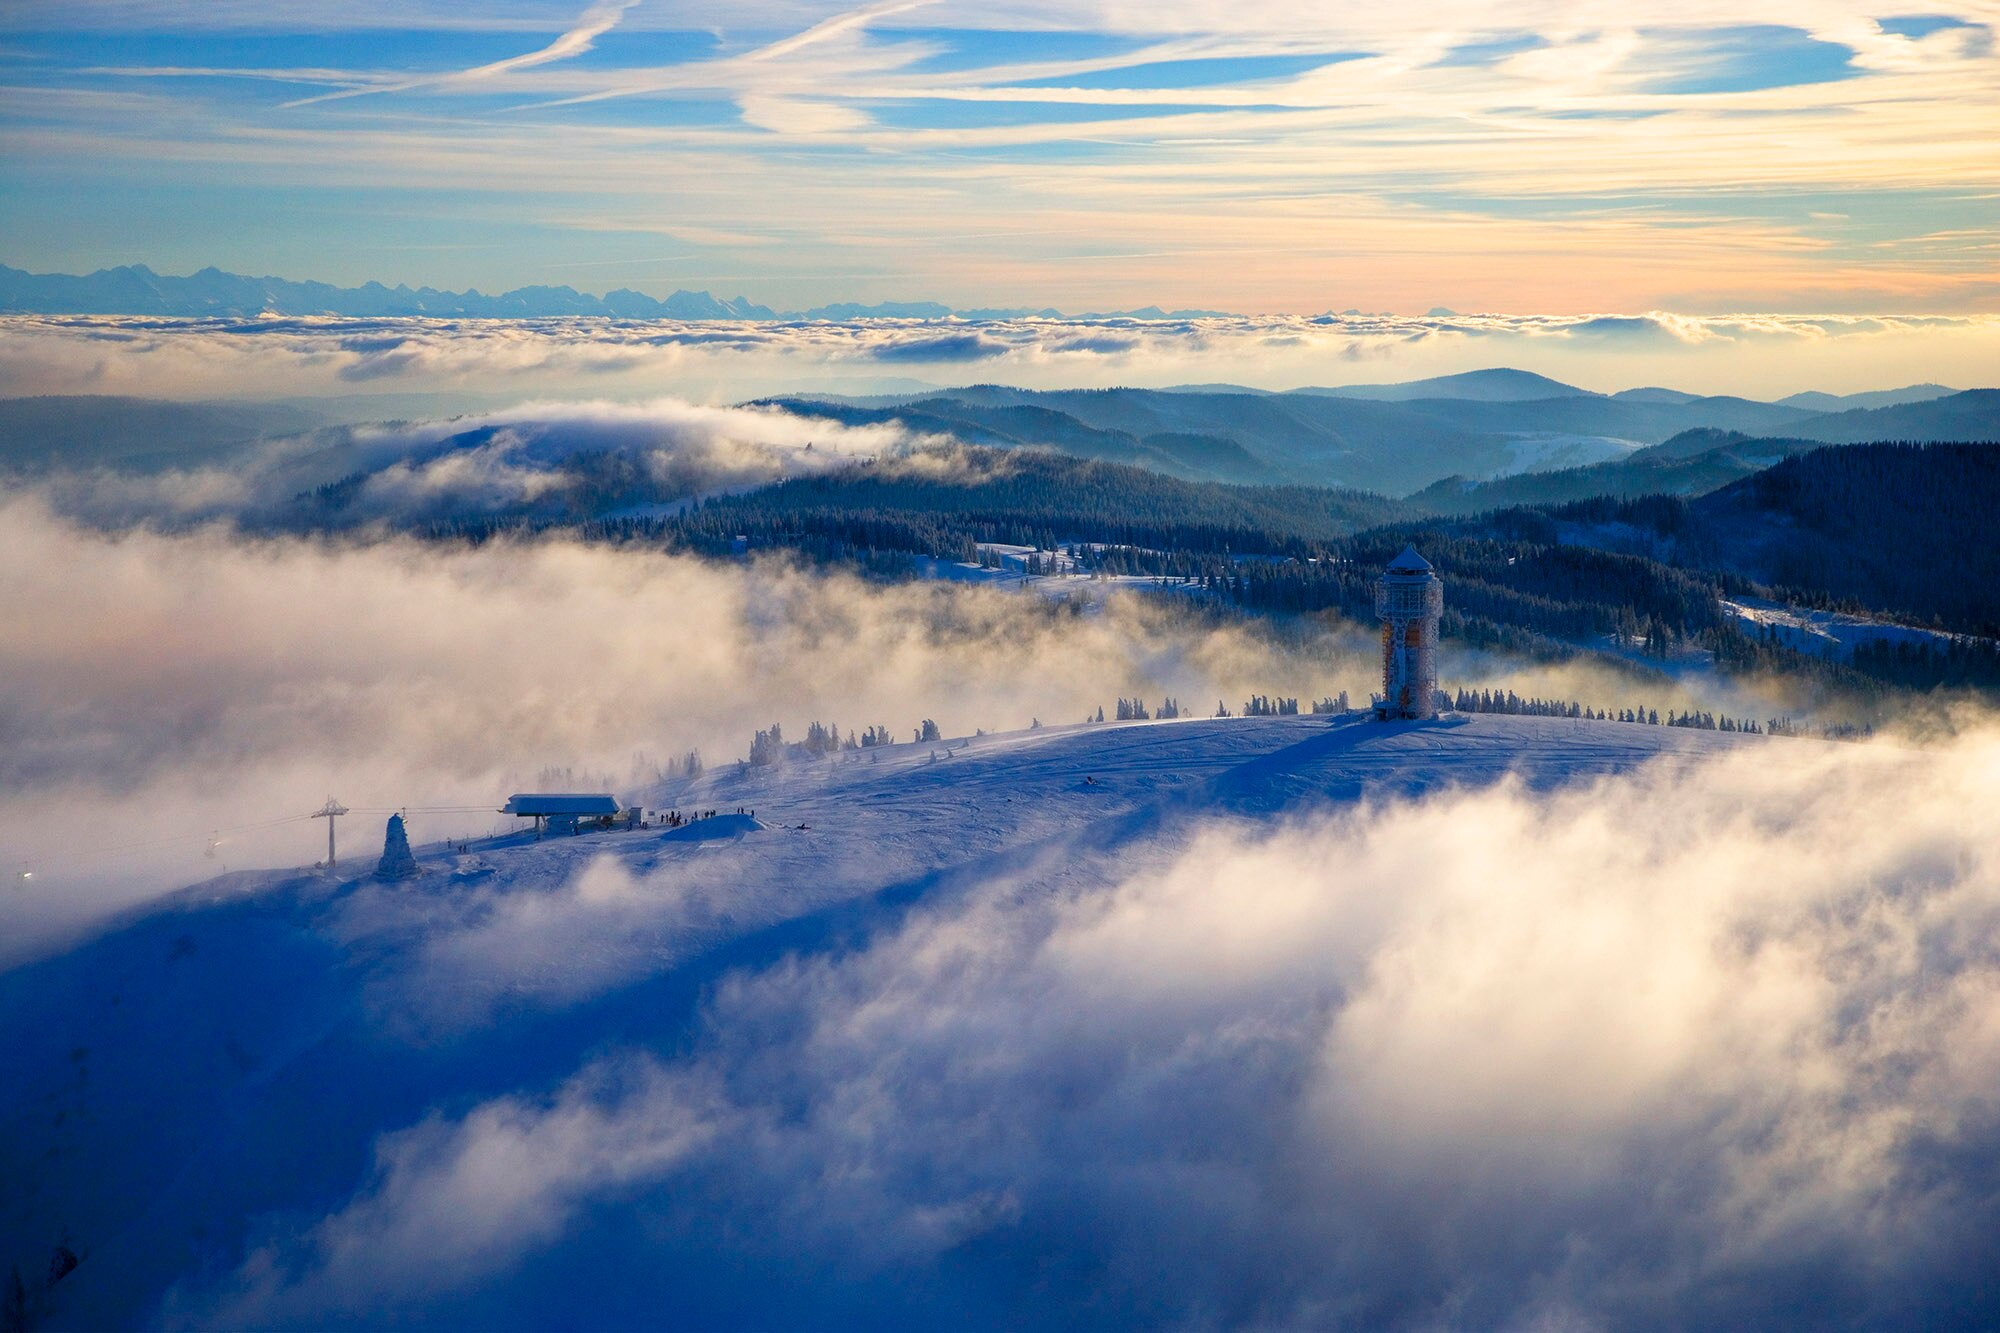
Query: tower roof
{"x": 1409, "y": 562}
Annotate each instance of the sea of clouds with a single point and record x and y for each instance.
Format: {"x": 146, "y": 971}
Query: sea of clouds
{"x": 527, "y": 458}
{"x": 1757, "y": 355}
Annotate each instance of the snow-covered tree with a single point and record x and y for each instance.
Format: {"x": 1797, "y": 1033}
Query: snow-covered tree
{"x": 769, "y": 746}
{"x": 397, "y": 860}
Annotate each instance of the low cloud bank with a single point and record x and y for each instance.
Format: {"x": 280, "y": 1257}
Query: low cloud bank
{"x": 1705, "y": 1044}
{"x": 562, "y": 460}
{"x": 160, "y": 686}
{"x": 1756, "y": 354}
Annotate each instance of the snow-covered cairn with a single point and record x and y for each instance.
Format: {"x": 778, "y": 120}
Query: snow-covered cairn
{"x": 396, "y": 862}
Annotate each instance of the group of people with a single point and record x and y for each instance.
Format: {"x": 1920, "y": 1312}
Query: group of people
{"x": 675, "y": 819}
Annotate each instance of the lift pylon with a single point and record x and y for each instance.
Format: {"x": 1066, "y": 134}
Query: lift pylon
{"x": 331, "y": 811}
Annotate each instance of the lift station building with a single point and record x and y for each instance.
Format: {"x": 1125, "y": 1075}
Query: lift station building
{"x": 561, "y": 811}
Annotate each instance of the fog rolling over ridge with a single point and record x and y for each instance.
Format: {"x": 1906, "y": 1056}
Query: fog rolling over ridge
{"x": 1207, "y": 1032}
{"x": 208, "y": 680}
{"x": 1051, "y": 665}
{"x": 1507, "y": 425}
{"x": 254, "y": 672}
{"x": 562, "y": 458}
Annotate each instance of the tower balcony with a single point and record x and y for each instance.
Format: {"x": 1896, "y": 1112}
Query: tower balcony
{"x": 1416, "y": 599}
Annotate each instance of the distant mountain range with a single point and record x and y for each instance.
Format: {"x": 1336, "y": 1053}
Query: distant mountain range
{"x": 1462, "y": 444}
{"x": 1472, "y": 440}
{"x": 1503, "y": 384}
{"x": 136, "y": 290}
{"x": 135, "y": 434}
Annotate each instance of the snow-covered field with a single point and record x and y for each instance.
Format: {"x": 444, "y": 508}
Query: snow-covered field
{"x": 1550, "y": 451}
{"x": 1836, "y": 632}
{"x": 1069, "y": 584}
{"x": 1039, "y": 1028}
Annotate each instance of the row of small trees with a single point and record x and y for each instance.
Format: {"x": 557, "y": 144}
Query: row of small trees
{"x": 1508, "y": 702}
{"x": 688, "y": 765}
{"x": 769, "y": 746}
{"x": 1134, "y": 710}
{"x": 1712, "y": 722}
{"x": 1512, "y": 704}
{"x": 1257, "y": 705}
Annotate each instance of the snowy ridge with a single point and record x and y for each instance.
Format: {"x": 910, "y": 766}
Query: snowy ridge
{"x": 236, "y": 1054}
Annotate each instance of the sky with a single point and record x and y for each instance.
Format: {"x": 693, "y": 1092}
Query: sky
{"x": 1544, "y": 156}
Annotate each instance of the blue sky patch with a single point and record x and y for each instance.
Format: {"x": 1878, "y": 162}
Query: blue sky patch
{"x": 1748, "y": 60}
{"x": 1918, "y": 26}
{"x": 945, "y": 113}
{"x": 378, "y": 50}
{"x": 681, "y": 110}
{"x": 1212, "y": 72}
{"x": 961, "y": 49}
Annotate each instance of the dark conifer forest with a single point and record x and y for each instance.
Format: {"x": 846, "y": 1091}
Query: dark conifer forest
{"x": 1893, "y": 531}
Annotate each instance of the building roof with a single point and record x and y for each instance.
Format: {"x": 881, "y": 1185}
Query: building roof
{"x": 1409, "y": 562}
{"x": 560, "y": 803}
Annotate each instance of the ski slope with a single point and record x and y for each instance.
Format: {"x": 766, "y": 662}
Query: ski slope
{"x": 234, "y": 1053}
{"x": 1836, "y": 632}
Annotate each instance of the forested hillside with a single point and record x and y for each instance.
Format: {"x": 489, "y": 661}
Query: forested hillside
{"x": 1908, "y": 527}
{"x": 1897, "y": 532}
{"x": 1972, "y": 415}
{"x": 1028, "y": 498}
{"x": 1396, "y": 440}
{"x": 1187, "y": 455}
{"x": 1900, "y": 529}
{"x": 1691, "y": 463}
{"x": 1313, "y": 439}
{"x": 39, "y": 435}
{"x": 1505, "y": 590}
{"x": 1537, "y": 580}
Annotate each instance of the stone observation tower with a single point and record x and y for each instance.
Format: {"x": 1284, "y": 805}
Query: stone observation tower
{"x": 1409, "y": 598}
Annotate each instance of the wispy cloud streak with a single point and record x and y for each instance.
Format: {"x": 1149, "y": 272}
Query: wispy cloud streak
{"x": 594, "y": 22}
{"x": 1556, "y": 155}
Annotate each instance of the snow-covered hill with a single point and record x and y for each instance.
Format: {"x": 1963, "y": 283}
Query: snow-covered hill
{"x": 312, "y": 1098}
{"x": 236, "y": 1051}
